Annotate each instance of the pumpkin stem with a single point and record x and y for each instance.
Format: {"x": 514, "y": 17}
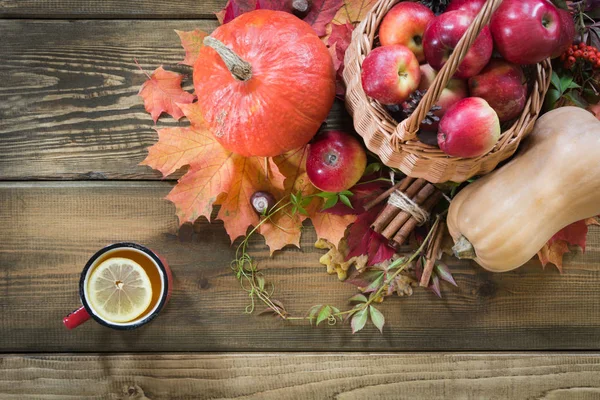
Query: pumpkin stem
{"x": 239, "y": 68}
{"x": 463, "y": 248}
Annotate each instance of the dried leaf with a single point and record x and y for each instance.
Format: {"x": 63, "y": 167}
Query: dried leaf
{"x": 209, "y": 175}
{"x": 192, "y": 43}
{"x": 435, "y": 286}
{"x": 331, "y": 227}
{"x": 353, "y": 11}
{"x": 377, "y": 318}
{"x": 275, "y": 5}
{"x": 574, "y": 234}
{"x": 162, "y": 92}
{"x": 235, "y": 8}
{"x": 321, "y": 13}
{"x": 359, "y": 320}
{"x": 249, "y": 174}
{"x": 553, "y": 253}
{"x": 363, "y": 240}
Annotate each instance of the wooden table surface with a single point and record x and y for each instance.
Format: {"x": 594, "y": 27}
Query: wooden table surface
{"x": 72, "y": 133}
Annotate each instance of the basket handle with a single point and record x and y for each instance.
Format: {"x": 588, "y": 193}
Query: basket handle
{"x": 407, "y": 130}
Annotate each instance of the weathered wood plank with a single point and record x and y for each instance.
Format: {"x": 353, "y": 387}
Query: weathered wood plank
{"x": 69, "y": 107}
{"x": 302, "y": 376}
{"x": 50, "y": 229}
{"x": 106, "y": 9}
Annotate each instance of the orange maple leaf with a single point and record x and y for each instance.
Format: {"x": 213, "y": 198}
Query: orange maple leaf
{"x": 162, "y": 92}
{"x": 331, "y": 226}
{"x": 553, "y": 253}
{"x": 353, "y": 11}
{"x": 192, "y": 43}
{"x": 249, "y": 175}
{"x": 574, "y": 234}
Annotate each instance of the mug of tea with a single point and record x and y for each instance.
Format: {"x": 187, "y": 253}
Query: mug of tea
{"x": 123, "y": 286}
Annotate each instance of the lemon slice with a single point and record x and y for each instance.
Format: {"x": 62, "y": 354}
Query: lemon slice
{"x": 119, "y": 290}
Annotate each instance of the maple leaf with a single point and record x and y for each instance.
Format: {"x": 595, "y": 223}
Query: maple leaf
{"x": 175, "y": 148}
{"x": 363, "y": 240}
{"x": 191, "y": 43}
{"x": 339, "y": 40}
{"x": 211, "y": 173}
{"x": 162, "y": 92}
{"x": 574, "y": 234}
{"x": 329, "y": 226}
{"x": 321, "y": 14}
{"x": 249, "y": 175}
{"x": 285, "y": 227}
{"x": 235, "y": 8}
{"x": 554, "y": 254}
{"x": 275, "y": 5}
{"x": 353, "y": 11}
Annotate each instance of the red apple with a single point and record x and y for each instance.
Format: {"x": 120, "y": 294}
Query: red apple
{"x": 469, "y": 129}
{"x": 404, "y": 24}
{"x": 473, "y": 6}
{"x": 567, "y": 33}
{"x": 390, "y": 74}
{"x": 455, "y": 90}
{"x": 442, "y": 36}
{"x": 335, "y": 162}
{"x": 526, "y": 31}
{"x": 503, "y": 86}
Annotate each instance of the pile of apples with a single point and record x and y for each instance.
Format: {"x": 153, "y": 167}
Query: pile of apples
{"x": 485, "y": 90}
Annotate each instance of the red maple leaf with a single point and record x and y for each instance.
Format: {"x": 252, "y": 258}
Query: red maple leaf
{"x": 162, "y": 92}
{"x": 192, "y": 42}
{"x": 364, "y": 240}
{"x": 574, "y": 234}
{"x": 235, "y": 8}
{"x": 321, "y": 13}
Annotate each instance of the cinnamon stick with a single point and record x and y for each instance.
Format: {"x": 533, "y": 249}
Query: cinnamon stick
{"x": 390, "y": 211}
{"x": 411, "y": 224}
{"x": 401, "y": 186}
{"x": 432, "y": 254}
{"x": 403, "y": 216}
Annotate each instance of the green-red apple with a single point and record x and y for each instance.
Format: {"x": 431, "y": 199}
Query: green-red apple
{"x": 405, "y": 24}
{"x": 390, "y": 74}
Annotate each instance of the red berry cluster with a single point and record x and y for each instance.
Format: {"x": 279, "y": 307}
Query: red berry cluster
{"x": 581, "y": 51}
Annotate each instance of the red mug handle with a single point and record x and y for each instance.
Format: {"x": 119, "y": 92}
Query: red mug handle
{"x": 76, "y": 318}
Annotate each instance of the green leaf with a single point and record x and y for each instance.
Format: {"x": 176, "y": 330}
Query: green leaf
{"x": 561, "y": 4}
{"x": 375, "y": 284}
{"x": 261, "y": 282}
{"x": 360, "y": 298}
{"x": 555, "y": 80}
{"x": 359, "y": 320}
{"x": 345, "y": 200}
{"x": 573, "y": 85}
{"x": 346, "y": 193}
{"x": 552, "y": 97}
{"x": 313, "y": 312}
{"x": 335, "y": 312}
{"x": 327, "y": 195}
{"x": 372, "y": 168}
{"x": 576, "y": 98}
{"x": 330, "y": 202}
{"x": 565, "y": 82}
{"x": 323, "y": 314}
{"x": 377, "y": 318}
{"x": 294, "y": 198}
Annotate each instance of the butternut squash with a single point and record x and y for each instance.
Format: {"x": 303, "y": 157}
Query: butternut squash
{"x": 503, "y": 219}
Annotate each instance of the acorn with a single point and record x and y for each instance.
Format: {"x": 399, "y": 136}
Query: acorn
{"x": 262, "y": 202}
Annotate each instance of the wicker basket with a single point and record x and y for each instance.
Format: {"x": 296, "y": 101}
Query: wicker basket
{"x": 396, "y": 144}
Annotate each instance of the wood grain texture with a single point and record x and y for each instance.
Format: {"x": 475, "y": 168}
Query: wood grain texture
{"x": 49, "y": 230}
{"x": 72, "y": 9}
{"x": 69, "y": 107}
{"x": 301, "y": 376}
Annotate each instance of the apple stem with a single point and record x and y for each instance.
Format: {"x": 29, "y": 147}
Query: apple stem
{"x": 239, "y": 68}
{"x": 463, "y": 248}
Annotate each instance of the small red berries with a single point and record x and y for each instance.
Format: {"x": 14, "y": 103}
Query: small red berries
{"x": 583, "y": 52}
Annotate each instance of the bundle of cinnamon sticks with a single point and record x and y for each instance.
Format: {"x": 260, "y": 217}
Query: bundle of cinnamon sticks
{"x": 396, "y": 224}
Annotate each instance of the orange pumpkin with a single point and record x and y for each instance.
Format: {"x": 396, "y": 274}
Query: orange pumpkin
{"x": 265, "y": 83}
